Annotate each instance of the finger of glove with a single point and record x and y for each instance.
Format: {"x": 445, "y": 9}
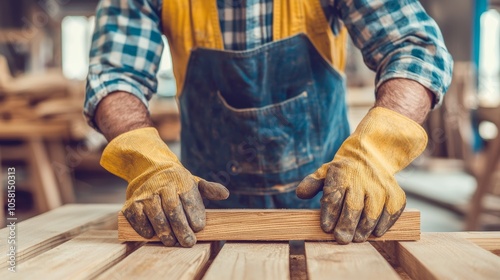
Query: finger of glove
{"x": 386, "y": 221}
{"x": 178, "y": 221}
{"x": 349, "y": 218}
{"x": 212, "y": 190}
{"x": 193, "y": 206}
{"x": 374, "y": 205}
{"x": 309, "y": 187}
{"x": 138, "y": 220}
{"x": 157, "y": 218}
{"x": 331, "y": 203}
{"x": 394, "y": 205}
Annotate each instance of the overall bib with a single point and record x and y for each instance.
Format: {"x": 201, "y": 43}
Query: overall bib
{"x": 258, "y": 121}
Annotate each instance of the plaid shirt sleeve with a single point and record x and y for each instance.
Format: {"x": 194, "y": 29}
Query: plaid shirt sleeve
{"x": 125, "y": 52}
{"x": 398, "y": 40}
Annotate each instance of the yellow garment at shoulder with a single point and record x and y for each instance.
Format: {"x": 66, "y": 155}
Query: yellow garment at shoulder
{"x": 195, "y": 23}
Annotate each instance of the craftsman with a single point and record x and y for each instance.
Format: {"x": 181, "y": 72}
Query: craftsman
{"x": 261, "y": 94}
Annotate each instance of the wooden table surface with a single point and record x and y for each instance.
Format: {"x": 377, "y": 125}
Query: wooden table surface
{"x": 81, "y": 242}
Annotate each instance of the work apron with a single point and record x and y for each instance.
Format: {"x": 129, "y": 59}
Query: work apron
{"x": 259, "y": 121}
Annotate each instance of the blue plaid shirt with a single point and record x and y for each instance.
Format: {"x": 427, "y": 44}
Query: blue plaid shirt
{"x": 396, "y": 37}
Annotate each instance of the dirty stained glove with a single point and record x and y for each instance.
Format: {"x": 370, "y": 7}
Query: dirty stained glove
{"x": 360, "y": 193}
{"x": 162, "y": 196}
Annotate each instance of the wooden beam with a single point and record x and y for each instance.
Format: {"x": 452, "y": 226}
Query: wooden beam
{"x": 250, "y": 261}
{"x": 17, "y": 35}
{"x": 274, "y": 225}
{"x": 83, "y": 257}
{"x": 488, "y": 240}
{"x": 155, "y": 261}
{"x": 46, "y": 193}
{"x": 443, "y": 256}
{"x": 326, "y": 260}
{"x": 61, "y": 170}
{"x": 46, "y": 231}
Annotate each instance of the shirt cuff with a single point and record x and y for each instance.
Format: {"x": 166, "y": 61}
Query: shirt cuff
{"x": 426, "y": 74}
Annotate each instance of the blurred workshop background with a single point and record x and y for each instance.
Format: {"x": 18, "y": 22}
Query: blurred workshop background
{"x": 44, "y": 47}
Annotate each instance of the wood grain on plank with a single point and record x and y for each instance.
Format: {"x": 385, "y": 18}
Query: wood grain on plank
{"x": 155, "y": 261}
{"x": 83, "y": 257}
{"x": 353, "y": 261}
{"x": 48, "y": 230}
{"x": 46, "y": 194}
{"x": 257, "y": 261}
{"x": 488, "y": 240}
{"x": 274, "y": 225}
{"x": 444, "y": 256}
{"x": 390, "y": 259}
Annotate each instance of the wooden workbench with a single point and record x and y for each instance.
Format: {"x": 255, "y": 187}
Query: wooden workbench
{"x": 81, "y": 242}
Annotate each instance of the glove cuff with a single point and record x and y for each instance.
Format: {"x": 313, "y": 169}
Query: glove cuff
{"x": 392, "y": 139}
{"x": 136, "y": 153}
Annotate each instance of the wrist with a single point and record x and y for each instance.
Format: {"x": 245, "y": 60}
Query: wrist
{"x": 121, "y": 112}
{"x": 406, "y": 97}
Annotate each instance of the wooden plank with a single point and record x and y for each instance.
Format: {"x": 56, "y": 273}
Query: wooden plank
{"x": 274, "y": 225}
{"x": 17, "y": 35}
{"x": 355, "y": 261}
{"x": 61, "y": 170}
{"x": 257, "y": 261}
{"x": 45, "y": 191}
{"x": 390, "y": 259}
{"x": 84, "y": 257}
{"x": 26, "y": 129}
{"x": 46, "y": 231}
{"x": 444, "y": 256}
{"x": 155, "y": 261}
{"x": 488, "y": 240}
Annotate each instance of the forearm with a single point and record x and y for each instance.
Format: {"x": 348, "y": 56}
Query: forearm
{"x": 120, "y": 112}
{"x": 116, "y": 69}
{"x": 399, "y": 40}
{"x": 405, "y": 97}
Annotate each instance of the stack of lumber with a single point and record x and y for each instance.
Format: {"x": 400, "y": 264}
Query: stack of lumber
{"x": 81, "y": 242}
{"x": 43, "y": 105}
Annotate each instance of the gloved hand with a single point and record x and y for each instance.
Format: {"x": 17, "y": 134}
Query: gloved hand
{"x": 360, "y": 193}
{"x": 162, "y": 196}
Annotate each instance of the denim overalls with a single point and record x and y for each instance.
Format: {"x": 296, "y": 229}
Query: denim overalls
{"x": 259, "y": 121}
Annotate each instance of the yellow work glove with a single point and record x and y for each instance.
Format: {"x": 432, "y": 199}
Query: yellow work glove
{"x": 360, "y": 193}
{"x": 162, "y": 195}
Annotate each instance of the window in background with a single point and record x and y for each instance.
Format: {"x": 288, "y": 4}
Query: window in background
{"x": 489, "y": 59}
{"x": 166, "y": 81}
{"x": 76, "y": 38}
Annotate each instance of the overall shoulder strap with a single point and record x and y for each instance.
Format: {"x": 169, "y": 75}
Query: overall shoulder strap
{"x": 189, "y": 24}
{"x": 197, "y": 21}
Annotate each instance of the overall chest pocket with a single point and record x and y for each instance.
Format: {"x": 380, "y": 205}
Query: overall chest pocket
{"x": 269, "y": 139}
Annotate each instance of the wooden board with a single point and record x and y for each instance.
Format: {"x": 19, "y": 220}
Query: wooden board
{"x": 154, "y": 261}
{"x": 274, "y": 225}
{"x": 50, "y": 229}
{"x": 11, "y": 130}
{"x": 444, "y": 256}
{"x": 45, "y": 191}
{"x": 488, "y": 240}
{"x": 355, "y": 261}
{"x": 84, "y": 257}
{"x": 259, "y": 261}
